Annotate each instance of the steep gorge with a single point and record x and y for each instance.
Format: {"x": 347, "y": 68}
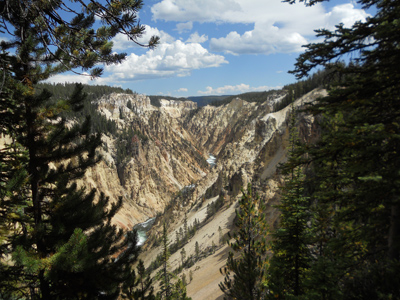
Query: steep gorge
{"x": 166, "y": 171}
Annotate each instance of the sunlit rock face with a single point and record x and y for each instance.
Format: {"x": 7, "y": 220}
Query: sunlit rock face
{"x": 243, "y": 142}
{"x": 162, "y": 157}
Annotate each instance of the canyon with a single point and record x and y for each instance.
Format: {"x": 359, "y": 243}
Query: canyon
{"x": 181, "y": 158}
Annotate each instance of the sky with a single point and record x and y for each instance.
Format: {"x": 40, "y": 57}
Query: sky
{"x": 219, "y": 47}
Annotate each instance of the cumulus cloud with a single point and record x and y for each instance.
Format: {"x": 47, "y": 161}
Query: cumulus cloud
{"x": 264, "y": 39}
{"x": 196, "y": 38}
{"x": 346, "y": 14}
{"x": 72, "y": 78}
{"x": 278, "y": 27}
{"x": 183, "y": 90}
{"x": 183, "y": 27}
{"x": 166, "y": 60}
{"x": 121, "y": 42}
{"x": 192, "y": 10}
{"x": 235, "y": 89}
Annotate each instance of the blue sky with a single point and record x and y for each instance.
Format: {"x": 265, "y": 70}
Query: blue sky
{"x": 216, "y": 47}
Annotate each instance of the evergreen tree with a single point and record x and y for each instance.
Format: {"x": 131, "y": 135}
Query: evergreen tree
{"x": 197, "y": 250}
{"x": 290, "y": 246}
{"x": 179, "y": 291}
{"x": 58, "y": 235}
{"x": 168, "y": 289}
{"x": 244, "y": 275}
{"x": 185, "y": 228}
{"x": 356, "y": 162}
{"x": 139, "y": 285}
{"x": 13, "y": 179}
{"x": 164, "y": 275}
{"x": 183, "y": 256}
{"x": 57, "y": 256}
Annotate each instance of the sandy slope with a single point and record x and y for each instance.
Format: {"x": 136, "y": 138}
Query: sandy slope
{"x": 206, "y": 275}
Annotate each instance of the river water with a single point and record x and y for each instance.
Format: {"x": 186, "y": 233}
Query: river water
{"x": 142, "y": 229}
{"x": 211, "y": 160}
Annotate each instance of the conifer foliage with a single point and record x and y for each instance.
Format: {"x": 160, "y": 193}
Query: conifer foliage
{"x": 291, "y": 257}
{"x": 354, "y": 167}
{"x": 139, "y": 285}
{"x": 245, "y": 271}
{"x": 171, "y": 288}
{"x": 58, "y": 235}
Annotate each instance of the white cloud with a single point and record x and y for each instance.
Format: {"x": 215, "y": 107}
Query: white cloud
{"x": 183, "y": 27}
{"x": 121, "y": 42}
{"x": 166, "y": 60}
{"x": 346, "y": 14}
{"x": 231, "y": 11}
{"x": 196, "y": 38}
{"x": 278, "y": 27}
{"x": 235, "y": 89}
{"x": 264, "y": 39}
{"x": 72, "y": 78}
{"x": 192, "y": 10}
{"x": 183, "y": 90}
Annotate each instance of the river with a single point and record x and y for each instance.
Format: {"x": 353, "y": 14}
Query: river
{"x": 211, "y": 160}
{"x": 142, "y": 229}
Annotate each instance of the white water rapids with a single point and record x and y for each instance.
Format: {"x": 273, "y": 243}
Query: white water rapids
{"x": 211, "y": 160}
{"x": 142, "y": 229}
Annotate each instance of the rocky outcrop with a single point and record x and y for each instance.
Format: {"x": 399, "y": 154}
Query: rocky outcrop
{"x": 159, "y": 159}
{"x": 249, "y": 142}
{"x": 170, "y": 145}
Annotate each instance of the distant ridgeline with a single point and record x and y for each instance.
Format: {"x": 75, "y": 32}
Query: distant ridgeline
{"x": 321, "y": 78}
{"x": 63, "y": 90}
{"x": 292, "y": 91}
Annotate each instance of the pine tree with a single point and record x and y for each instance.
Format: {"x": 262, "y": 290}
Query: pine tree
{"x": 197, "y": 250}
{"x": 291, "y": 242}
{"x": 168, "y": 289}
{"x": 245, "y": 275}
{"x": 67, "y": 261}
{"x": 58, "y": 235}
{"x": 13, "y": 180}
{"x": 185, "y": 229}
{"x": 183, "y": 256}
{"x": 164, "y": 275}
{"x": 139, "y": 285}
{"x": 179, "y": 291}
{"x": 356, "y": 162}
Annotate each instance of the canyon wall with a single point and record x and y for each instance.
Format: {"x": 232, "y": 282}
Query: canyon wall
{"x": 170, "y": 145}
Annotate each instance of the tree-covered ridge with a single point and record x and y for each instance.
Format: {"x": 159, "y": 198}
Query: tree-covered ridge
{"x": 64, "y": 90}
{"x": 321, "y": 78}
{"x": 207, "y": 100}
